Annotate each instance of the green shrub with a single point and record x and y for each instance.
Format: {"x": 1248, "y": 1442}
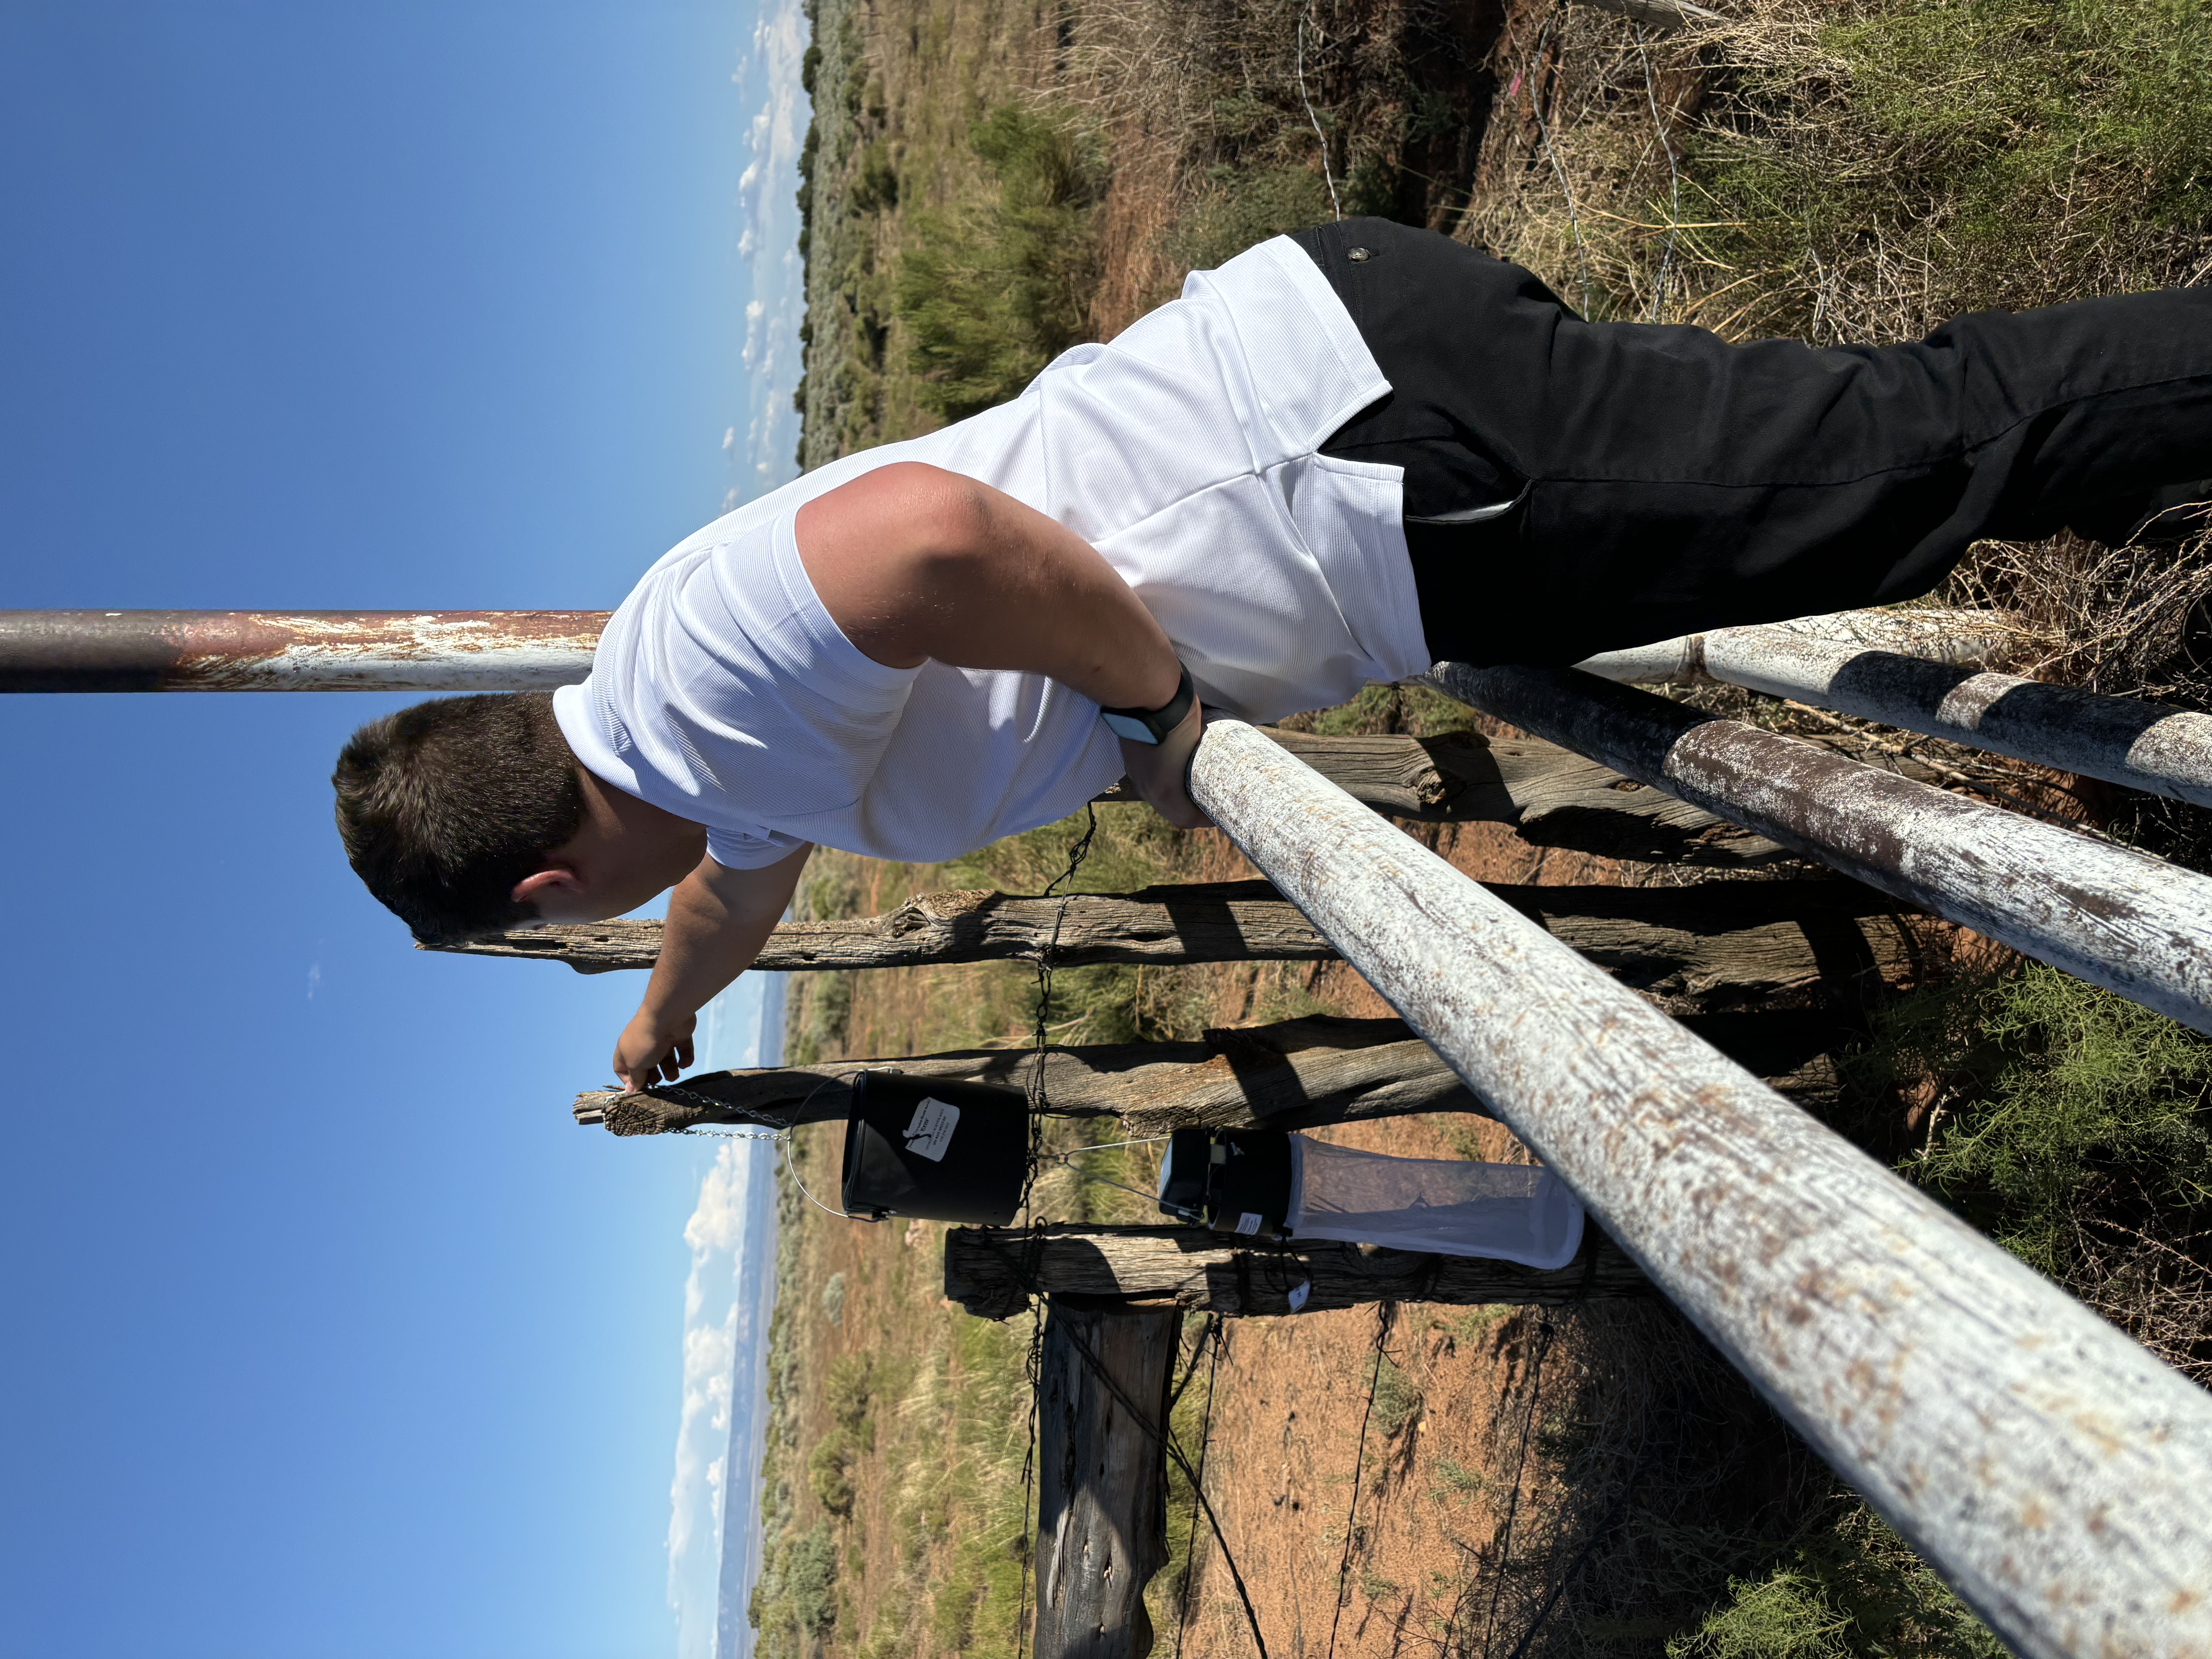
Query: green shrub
{"x": 1455, "y": 1480}
{"x": 1242, "y": 206}
{"x": 810, "y": 1577}
{"x": 1852, "y": 1590}
{"x": 819, "y": 1013}
{"x": 875, "y": 187}
{"x": 2048, "y": 1091}
{"x": 830, "y": 1470}
{"x": 850, "y": 1391}
{"x": 1397, "y": 1399}
{"x": 990, "y": 295}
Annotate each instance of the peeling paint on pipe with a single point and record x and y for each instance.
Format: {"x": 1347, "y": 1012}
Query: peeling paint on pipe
{"x": 2165, "y": 752}
{"x": 1915, "y": 669}
{"x": 296, "y": 650}
{"x": 1964, "y": 637}
{"x": 2053, "y": 1472}
{"x": 2131, "y": 923}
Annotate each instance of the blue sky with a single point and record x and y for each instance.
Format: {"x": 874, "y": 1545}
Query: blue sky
{"x": 326, "y": 1333}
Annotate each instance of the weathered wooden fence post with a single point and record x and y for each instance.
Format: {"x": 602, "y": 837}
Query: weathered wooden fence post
{"x": 992, "y": 1273}
{"x": 1102, "y": 1486}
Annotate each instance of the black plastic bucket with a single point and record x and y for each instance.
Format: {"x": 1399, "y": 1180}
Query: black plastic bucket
{"x": 1238, "y": 1181}
{"x": 942, "y": 1152}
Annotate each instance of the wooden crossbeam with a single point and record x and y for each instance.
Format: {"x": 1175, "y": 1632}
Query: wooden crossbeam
{"x": 1298, "y": 1074}
{"x": 1715, "y": 944}
{"x": 991, "y": 1270}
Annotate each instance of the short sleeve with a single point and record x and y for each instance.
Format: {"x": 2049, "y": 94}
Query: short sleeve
{"x": 735, "y": 850}
{"x": 723, "y": 691}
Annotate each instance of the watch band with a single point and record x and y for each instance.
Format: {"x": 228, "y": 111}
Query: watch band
{"x": 1152, "y": 725}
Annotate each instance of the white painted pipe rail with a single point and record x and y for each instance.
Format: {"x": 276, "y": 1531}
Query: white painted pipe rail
{"x": 2117, "y": 918}
{"x": 2056, "y": 1475}
{"x": 2123, "y": 740}
{"x": 1943, "y": 635}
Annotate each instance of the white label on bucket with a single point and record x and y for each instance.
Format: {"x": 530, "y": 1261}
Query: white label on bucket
{"x": 931, "y": 1131}
{"x": 1299, "y": 1292}
{"x": 1247, "y": 1223}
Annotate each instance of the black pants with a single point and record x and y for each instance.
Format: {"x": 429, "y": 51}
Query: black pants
{"x": 1571, "y": 487}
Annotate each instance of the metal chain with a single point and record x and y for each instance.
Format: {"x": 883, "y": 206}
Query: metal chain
{"x": 1035, "y": 1366}
{"x": 1216, "y": 1333}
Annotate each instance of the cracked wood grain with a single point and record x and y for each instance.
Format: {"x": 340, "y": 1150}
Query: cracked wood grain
{"x": 1715, "y": 944}
{"x": 986, "y": 1271}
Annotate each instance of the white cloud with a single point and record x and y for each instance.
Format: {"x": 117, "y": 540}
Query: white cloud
{"x": 724, "y": 1319}
{"x": 720, "y": 1220}
{"x": 711, "y": 1319}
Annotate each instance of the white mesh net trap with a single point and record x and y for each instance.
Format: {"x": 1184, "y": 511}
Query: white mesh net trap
{"x": 1506, "y": 1212}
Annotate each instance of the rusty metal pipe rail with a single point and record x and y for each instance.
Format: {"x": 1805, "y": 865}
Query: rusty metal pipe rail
{"x": 2055, "y": 1474}
{"x": 2123, "y": 740}
{"x": 2131, "y": 923}
{"x": 296, "y": 650}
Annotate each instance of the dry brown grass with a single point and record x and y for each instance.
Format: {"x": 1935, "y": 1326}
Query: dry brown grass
{"x": 1850, "y": 169}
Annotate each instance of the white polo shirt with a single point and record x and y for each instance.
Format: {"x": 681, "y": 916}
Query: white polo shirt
{"x": 1184, "y": 451}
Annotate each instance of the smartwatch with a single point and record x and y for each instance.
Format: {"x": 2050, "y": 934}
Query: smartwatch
{"x": 1152, "y": 725}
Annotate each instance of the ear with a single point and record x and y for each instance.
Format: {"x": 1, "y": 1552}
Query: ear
{"x": 537, "y": 888}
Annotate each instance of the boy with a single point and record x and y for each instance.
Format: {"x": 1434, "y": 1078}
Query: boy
{"x": 1342, "y": 456}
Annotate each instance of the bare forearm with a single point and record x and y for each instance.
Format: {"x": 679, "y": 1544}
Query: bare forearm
{"x": 703, "y": 947}
{"x": 717, "y": 919}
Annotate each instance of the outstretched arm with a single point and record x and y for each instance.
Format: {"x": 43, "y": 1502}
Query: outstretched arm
{"x": 914, "y": 562}
{"x": 717, "y": 919}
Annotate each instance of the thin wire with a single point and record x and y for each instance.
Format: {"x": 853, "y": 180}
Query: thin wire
{"x": 1065, "y": 1159}
{"x": 1674, "y": 174}
{"x": 1109, "y": 1146}
{"x": 782, "y": 1136}
{"x": 1035, "y": 1367}
{"x": 1335, "y": 207}
{"x": 1520, "y": 1462}
{"x": 1042, "y": 1036}
{"x": 1038, "y": 1103}
{"x": 791, "y": 1167}
{"x": 1351, "y": 1515}
{"x": 1214, "y": 1330}
{"x": 1190, "y": 1371}
{"x": 1598, "y": 1535}
{"x": 1077, "y": 1170}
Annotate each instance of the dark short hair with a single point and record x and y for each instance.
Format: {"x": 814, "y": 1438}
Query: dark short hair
{"x": 444, "y": 806}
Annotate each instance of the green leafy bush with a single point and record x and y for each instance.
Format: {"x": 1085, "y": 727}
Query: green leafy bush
{"x": 830, "y": 1470}
{"x": 810, "y": 1579}
{"x": 1397, "y": 1399}
{"x": 1852, "y": 1590}
{"x": 1244, "y": 205}
{"x": 2047, "y": 1093}
{"x": 990, "y": 295}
